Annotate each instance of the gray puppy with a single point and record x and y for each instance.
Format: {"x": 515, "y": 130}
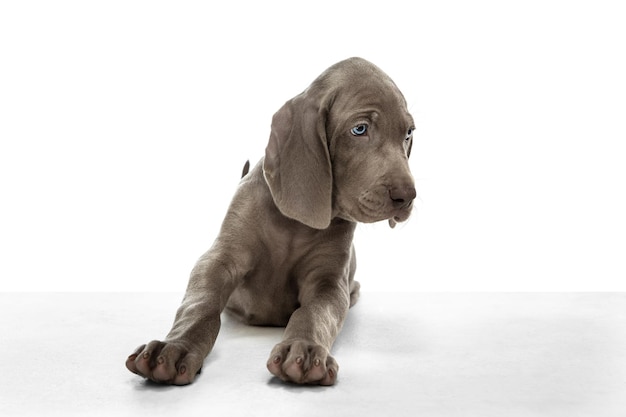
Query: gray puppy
{"x": 337, "y": 154}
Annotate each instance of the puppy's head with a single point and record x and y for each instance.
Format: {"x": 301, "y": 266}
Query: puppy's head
{"x": 341, "y": 149}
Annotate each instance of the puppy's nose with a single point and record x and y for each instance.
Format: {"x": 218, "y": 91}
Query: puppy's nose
{"x": 402, "y": 196}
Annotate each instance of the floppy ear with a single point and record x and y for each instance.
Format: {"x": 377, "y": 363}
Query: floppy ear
{"x": 297, "y": 164}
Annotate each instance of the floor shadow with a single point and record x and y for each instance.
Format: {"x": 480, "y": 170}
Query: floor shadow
{"x": 278, "y": 384}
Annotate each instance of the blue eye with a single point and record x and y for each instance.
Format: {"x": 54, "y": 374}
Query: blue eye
{"x": 359, "y": 130}
{"x": 410, "y": 132}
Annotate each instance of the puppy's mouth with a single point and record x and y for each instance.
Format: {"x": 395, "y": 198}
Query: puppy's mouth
{"x": 399, "y": 218}
{"x": 377, "y": 209}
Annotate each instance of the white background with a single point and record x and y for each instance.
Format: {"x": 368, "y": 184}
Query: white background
{"x": 124, "y": 126}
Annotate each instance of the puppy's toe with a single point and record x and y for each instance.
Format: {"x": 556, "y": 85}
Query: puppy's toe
{"x": 317, "y": 367}
{"x": 332, "y": 369}
{"x": 131, "y": 362}
{"x": 276, "y": 361}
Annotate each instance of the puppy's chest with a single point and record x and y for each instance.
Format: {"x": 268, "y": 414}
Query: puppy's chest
{"x": 280, "y": 259}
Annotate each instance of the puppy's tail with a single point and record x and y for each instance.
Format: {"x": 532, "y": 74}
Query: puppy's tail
{"x": 246, "y": 169}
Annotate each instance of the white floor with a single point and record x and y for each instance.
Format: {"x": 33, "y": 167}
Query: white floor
{"x": 441, "y": 354}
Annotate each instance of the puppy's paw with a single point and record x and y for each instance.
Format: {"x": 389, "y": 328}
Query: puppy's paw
{"x": 303, "y": 362}
{"x": 165, "y": 363}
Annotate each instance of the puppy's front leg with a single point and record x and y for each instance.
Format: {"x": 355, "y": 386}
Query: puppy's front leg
{"x": 178, "y": 358}
{"x": 303, "y": 357}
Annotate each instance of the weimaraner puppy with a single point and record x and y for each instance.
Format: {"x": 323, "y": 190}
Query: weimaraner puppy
{"x": 337, "y": 154}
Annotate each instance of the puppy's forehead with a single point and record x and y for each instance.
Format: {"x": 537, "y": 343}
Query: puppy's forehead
{"x": 356, "y": 83}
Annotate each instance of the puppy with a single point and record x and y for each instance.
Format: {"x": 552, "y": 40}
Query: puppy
{"x": 337, "y": 155}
